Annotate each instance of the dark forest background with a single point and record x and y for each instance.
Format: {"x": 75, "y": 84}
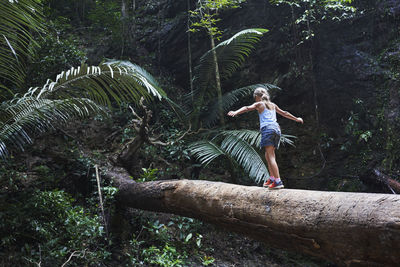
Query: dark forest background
{"x": 337, "y": 68}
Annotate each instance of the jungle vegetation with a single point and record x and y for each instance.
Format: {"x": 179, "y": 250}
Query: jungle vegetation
{"x": 84, "y": 84}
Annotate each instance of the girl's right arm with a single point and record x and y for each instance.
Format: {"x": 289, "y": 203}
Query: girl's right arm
{"x": 243, "y": 110}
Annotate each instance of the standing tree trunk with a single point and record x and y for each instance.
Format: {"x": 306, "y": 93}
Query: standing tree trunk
{"x": 312, "y": 76}
{"x": 189, "y": 51}
{"x": 217, "y": 82}
{"x": 124, "y": 16}
{"x": 353, "y": 229}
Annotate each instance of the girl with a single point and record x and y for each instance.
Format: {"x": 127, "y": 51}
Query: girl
{"x": 270, "y": 131}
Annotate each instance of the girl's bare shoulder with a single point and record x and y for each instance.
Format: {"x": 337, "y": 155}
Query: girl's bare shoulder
{"x": 260, "y": 106}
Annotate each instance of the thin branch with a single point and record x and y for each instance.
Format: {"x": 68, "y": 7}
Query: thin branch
{"x": 134, "y": 114}
{"x": 185, "y": 133}
{"x": 100, "y": 197}
{"x": 387, "y": 180}
{"x": 74, "y": 254}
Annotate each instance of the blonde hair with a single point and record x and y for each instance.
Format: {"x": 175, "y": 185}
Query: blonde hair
{"x": 263, "y": 93}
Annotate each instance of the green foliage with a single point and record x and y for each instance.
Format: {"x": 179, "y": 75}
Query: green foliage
{"x": 229, "y": 99}
{"x": 222, "y": 60}
{"x": 357, "y": 127}
{"x": 105, "y": 15}
{"x": 313, "y": 12}
{"x": 46, "y": 227}
{"x": 19, "y": 20}
{"x": 187, "y": 230}
{"x": 121, "y": 80}
{"x": 236, "y": 145}
{"x": 127, "y": 134}
{"x": 148, "y": 175}
{"x": 231, "y": 55}
{"x": 166, "y": 257}
{"x": 20, "y": 118}
{"x": 12, "y": 177}
{"x": 75, "y": 93}
{"x": 166, "y": 244}
{"x": 207, "y": 15}
{"x": 207, "y": 260}
{"x": 54, "y": 56}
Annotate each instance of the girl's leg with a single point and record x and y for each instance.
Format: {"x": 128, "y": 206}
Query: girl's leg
{"x": 271, "y": 160}
{"x": 271, "y": 177}
{"x": 269, "y": 165}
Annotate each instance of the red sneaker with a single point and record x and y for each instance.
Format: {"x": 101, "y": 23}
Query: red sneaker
{"x": 276, "y": 185}
{"x": 267, "y": 183}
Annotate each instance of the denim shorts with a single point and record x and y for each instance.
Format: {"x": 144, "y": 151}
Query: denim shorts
{"x": 270, "y": 137}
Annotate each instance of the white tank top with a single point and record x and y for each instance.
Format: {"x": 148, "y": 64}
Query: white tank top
{"x": 268, "y": 118}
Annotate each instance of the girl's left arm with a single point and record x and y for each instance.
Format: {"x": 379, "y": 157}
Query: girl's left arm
{"x": 288, "y": 115}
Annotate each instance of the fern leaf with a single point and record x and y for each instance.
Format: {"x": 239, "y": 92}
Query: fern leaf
{"x": 205, "y": 151}
{"x": 18, "y": 20}
{"x": 230, "y": 56}
{"x": 22, "y": 120}
{"x": 246, "y": 156}
{"x": 252, "y": 137}
{"x": 121, "y": 82}
{"x": 229, "y": 99}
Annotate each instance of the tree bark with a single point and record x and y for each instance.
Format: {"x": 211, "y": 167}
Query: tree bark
{"x": 217, "y": 81}
{"x": 189, "y": 51}
{"x": 353, "y": 229}
{"x": 127, "y": 157}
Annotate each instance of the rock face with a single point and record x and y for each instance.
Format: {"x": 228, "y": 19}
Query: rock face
{"x": 355, "y": 62}
{"x": 346, "y": 54}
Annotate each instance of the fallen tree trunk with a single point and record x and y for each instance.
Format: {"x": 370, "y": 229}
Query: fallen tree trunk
{"x": 346, "y": 228}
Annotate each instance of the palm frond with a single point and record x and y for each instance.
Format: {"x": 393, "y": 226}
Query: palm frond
{"x": 23, "y": 119}
{"x": 230, "y": 98}
{"x": 236, "y": 49}
{"x": 149, "y": 82}
{"x": 100, "y": 84}
{"x": 237, "y": 149}
{"x": 230, "y": 56}
{"x": 205, "y": 151}
{"x": 76, "y": 93}
{"x": 18, "y": 21}
{"x": 252, "y": 137}
{"x": 238, "y": 145}
{"x": 287, "y": 139}
{"x": 246, "y": 156}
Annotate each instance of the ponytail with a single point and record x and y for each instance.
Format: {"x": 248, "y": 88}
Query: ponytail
{"x": 261, "y": 92}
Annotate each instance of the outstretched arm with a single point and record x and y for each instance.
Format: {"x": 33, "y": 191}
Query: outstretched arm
{"x": 288, "y": 115}
{"x": 243, "y": 110}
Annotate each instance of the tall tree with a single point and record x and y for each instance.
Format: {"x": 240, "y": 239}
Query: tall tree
{"x": 189, "y": 51}
{"x": 230, "y": 55}
{"x": 207, "y": 13}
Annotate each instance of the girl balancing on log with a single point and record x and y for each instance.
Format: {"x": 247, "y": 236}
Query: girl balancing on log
{"x": 270, "y": 131}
